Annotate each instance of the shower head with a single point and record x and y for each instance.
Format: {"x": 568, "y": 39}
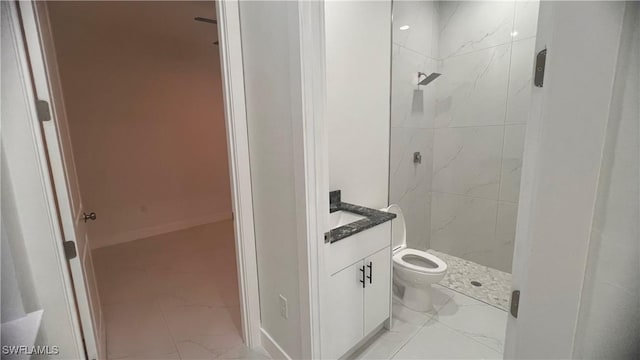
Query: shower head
{"x": 427, "y": 78}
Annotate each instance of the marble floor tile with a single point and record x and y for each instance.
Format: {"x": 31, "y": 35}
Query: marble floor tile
{"x": 477, "y": 320}
{"x": 124, "y": 285}
{"x": 172, "y": 356}
{"x": 137, "y": 330}
{"x": 437, "y": 341}
{"x": 243, "y": 352}
{"x": 174, "y": 296}
{"x": 405, "y": 324}
{"x": 199, "y": 323}
{"x": 459, "y": 327}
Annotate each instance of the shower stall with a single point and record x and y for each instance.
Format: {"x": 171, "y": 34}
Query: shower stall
{"x": 457, "y": 134}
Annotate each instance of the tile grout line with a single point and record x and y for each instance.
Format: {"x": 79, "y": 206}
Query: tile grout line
{"x": 482, "y": 303}
{"x": 420, "y": 328}
{"x": 510, "y": 41}
{"x": 164, "y": 318}
{"x": 473, "y": 197}
{"x": 473, "y": 298}
{"x": 467, "y": 336}
{"x": 456, "y": 126}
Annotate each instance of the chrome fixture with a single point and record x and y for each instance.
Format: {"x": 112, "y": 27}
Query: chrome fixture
{"x": 86, "y": 217}
{"x": 417, "y": 157}
{"x": 427, "y": 78}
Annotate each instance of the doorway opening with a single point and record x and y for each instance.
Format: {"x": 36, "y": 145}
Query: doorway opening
{"x": 144, "y": 106}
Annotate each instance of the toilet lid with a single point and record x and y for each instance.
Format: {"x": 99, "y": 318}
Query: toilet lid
{"x": 398, "y": 227}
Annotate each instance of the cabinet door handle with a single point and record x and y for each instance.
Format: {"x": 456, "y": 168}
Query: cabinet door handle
{"x": 370, "y": 277}
{"x": 362, "y": 281}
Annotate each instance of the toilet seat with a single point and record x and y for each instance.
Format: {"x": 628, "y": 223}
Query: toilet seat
{"x": 399, "y": 260}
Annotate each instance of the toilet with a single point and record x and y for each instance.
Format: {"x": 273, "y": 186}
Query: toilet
{"x": 413, "y": 270}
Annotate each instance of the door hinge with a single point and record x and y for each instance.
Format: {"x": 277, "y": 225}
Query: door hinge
{"x": 541, "y": 60}
{"x": 44, "y": 113}
{"x": 515, "y": 303}
{"x": 70, "y": 249}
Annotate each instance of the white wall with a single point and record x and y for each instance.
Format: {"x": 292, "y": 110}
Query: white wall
{"x": 272, "y": 75}
{"x": 609, "y": 321}
{"x": 143, "y": 94}
{"x": 358, "y": 72}
{"x": 462, "y": 199}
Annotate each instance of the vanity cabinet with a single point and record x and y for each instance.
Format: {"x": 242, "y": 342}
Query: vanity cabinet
{"x": 359, "y": 302}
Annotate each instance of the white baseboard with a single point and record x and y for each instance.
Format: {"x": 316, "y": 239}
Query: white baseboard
{"x": 163, "y": 229}
{"x": 272, "y": 347}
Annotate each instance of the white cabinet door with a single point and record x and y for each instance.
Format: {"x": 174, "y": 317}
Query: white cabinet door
{"x": 377, "y": 289}
{"x": 345, "y": 314}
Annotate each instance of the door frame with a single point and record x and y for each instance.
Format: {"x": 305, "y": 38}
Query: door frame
{"x": 310, "y": 22}
{"x": 230, "y": 49}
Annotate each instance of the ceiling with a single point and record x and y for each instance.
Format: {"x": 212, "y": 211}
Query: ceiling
{"x": 156, "y": 23}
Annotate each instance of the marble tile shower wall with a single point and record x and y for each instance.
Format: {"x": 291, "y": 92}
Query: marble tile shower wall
{"x": 469, "y": 124}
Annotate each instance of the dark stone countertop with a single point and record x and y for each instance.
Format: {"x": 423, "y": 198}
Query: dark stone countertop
{"x": 372, "y": 218}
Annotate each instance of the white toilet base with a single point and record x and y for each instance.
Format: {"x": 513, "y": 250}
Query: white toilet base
{"x": 418, "y": 299}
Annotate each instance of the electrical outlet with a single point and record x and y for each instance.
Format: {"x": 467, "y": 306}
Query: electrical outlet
{"x": 284, "y": 308}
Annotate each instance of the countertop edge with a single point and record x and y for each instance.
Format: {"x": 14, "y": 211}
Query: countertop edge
{"x": 372, "y": 218}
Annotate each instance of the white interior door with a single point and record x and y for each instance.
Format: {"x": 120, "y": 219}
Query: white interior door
{"x": 563, "y": 150}
{"x": 58, "y": 144}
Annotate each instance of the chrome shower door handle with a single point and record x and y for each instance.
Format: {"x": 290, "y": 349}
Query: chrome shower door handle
{"x": 91, "y": 216}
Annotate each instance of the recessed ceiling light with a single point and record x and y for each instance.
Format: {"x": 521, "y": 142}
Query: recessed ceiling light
{"x": 404, "y": 27}
{"x": 514, "y": 33}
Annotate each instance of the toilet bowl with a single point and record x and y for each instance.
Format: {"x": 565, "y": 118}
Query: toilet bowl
{"x": 413, "y": 270}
